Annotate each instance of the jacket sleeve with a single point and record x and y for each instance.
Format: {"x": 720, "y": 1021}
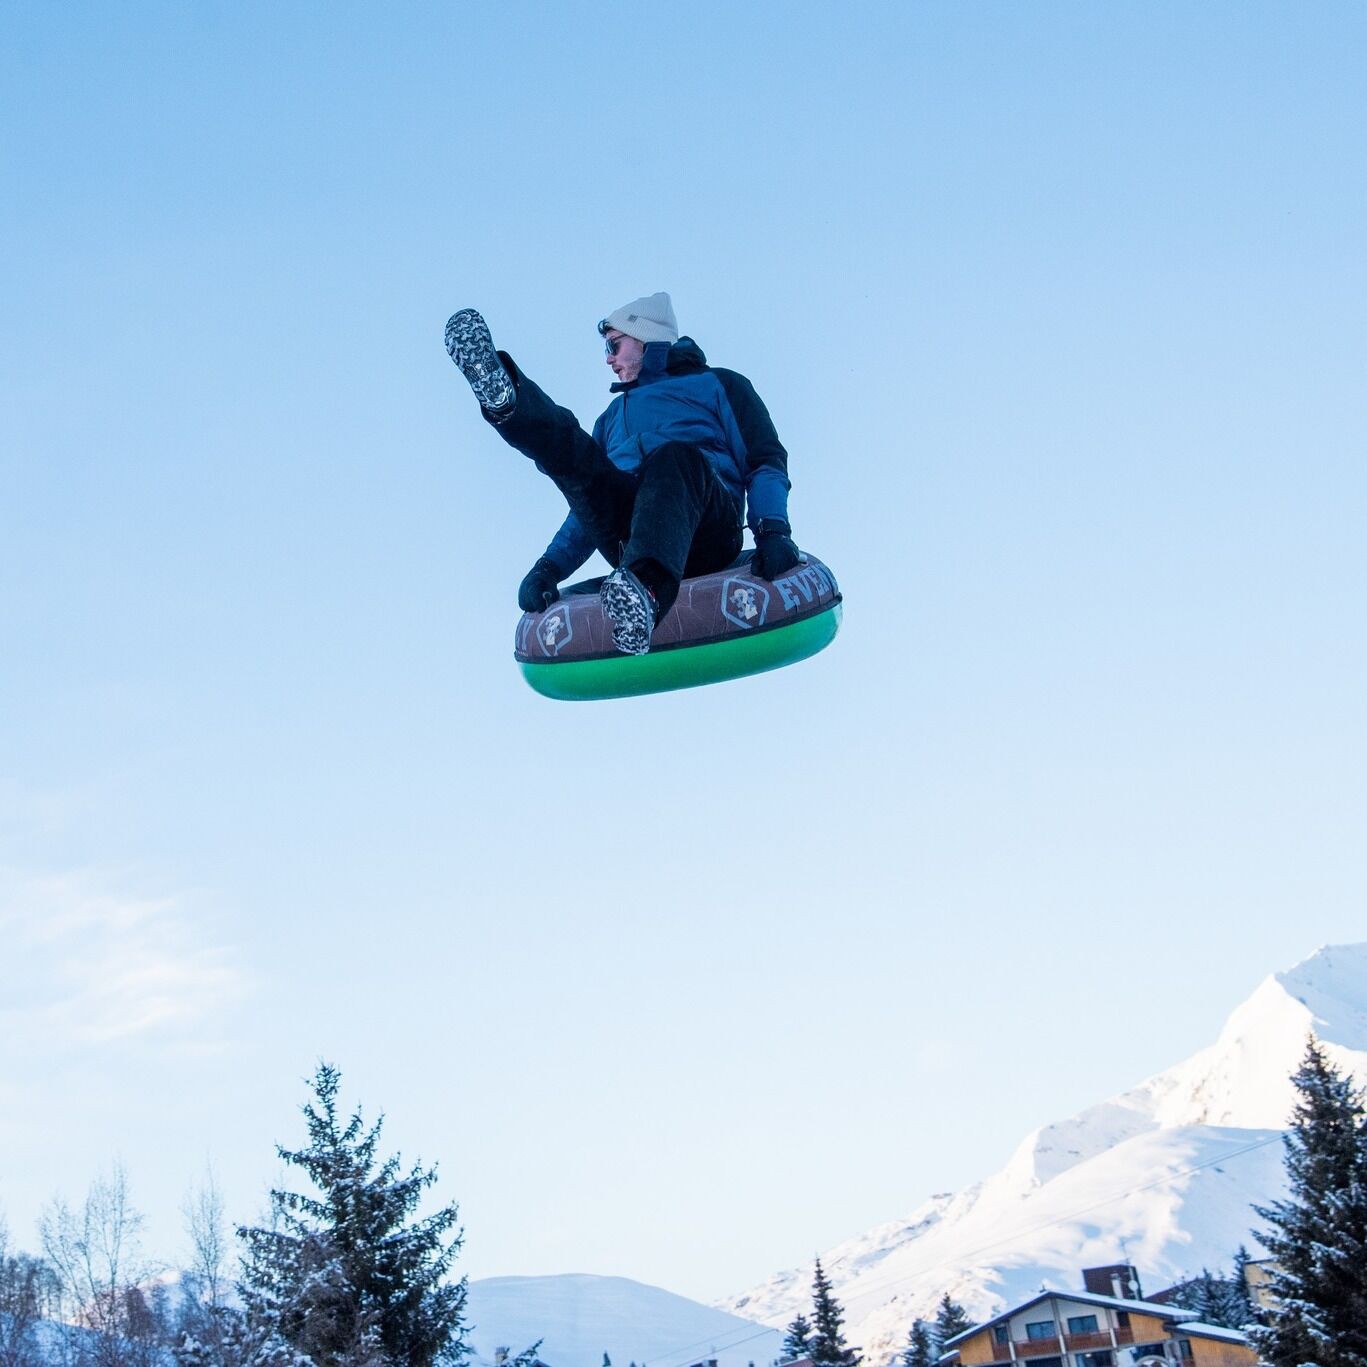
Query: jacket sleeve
{"x": 766, "y": 459}
{"x": 570, "y": 546}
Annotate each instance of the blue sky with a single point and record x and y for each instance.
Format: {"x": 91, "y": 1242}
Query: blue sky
{"x": 1059, "y": 310}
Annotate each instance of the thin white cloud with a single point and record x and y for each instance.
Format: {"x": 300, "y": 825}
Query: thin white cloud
{"x": 83, "y": 962}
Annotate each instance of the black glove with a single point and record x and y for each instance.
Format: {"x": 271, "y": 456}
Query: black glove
{"x": 775, "y": 553}
{"x": 540, "y": 588}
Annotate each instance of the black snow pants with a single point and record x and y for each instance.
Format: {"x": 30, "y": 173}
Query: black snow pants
{"x": 670, "y": 518}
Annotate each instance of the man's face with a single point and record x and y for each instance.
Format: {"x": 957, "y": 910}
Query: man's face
{"x": 625, "y": 355}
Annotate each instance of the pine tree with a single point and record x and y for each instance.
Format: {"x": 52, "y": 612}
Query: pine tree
{"x": 798, "y": 1341}
{"x": 1245, "y": 1306}
{"x": 828, "y": 1347}
{"x": 1216, "y": 1300}
{"x": 920, "y": 1351}
{"x": 950, "y": 1319}
{"x": 348, "y": 1277}
{"x": 1318, "y": 1239}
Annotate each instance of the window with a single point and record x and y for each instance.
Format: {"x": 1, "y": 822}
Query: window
{"x": 1103, "y": 1358}
{"x": 1186, "y": 1350}
{"x": 1002, "y": 1333}
{"x": 1040, "y": 1329}
{"x": 1082, "y": 1324}
{"x": 1122, "y": 1318}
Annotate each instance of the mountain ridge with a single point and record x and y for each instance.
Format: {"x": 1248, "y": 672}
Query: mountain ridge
{"x": 1162, "y": 1175}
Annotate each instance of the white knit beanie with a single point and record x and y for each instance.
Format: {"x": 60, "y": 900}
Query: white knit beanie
{"x": 650, "y": 319}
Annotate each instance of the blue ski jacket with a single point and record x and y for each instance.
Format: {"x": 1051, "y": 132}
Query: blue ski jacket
{"x": 679, "y": 397}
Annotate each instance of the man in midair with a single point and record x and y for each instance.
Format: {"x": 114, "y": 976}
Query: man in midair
{"x": 683, "y": 455}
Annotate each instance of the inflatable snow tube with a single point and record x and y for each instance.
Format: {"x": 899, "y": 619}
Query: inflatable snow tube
{"x": 722, "y": 626}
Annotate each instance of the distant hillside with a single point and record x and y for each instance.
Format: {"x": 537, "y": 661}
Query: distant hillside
{"x": 581, "y": 1317}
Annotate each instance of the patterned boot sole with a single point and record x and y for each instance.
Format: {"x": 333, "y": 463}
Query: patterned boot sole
{"x": 472, "y": 349}
{"x": 627, "y": 606}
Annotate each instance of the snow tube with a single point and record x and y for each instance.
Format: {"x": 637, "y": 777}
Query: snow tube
{"x": 722, "y": 626}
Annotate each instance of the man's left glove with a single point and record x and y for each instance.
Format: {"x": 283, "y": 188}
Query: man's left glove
{"x": 775, "y": 553}
{"x": 541, "y": 587}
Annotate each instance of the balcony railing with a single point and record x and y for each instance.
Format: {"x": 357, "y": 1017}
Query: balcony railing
{"x": 1038, "y": 1348}
{"x": 1050, "y": 1347}
{"x": 1085, "y": 1343}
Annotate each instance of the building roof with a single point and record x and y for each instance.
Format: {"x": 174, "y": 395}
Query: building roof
{"x": 1214, "y": 1331}
{"x": 1167, "y": 1312}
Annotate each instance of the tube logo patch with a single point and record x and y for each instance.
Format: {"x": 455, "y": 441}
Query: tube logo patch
{"x": 744, "y": 603}
{"x": 555, "y": 631}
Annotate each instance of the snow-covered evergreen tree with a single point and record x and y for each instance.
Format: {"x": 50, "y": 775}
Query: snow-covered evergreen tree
{"x": 220, "y": 1336}
{"x": 1246, "y": 1306}
{"x": 1214, "y": 1300}
{"x": 827, "y": 1347}
{"x": 950, "y": 1319}
{"x": 1318, "y": 1239}
{"x": 348, "y": 1277}
{"x": 797, "y": 1342}
{"x": 920, "y": 1350}
{"x": 207, "y": 1333}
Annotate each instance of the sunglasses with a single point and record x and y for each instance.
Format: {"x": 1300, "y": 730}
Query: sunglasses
{"x": 613, "y": 344}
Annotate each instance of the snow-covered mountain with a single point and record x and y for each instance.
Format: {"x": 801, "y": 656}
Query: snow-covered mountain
{"x": 579, "y": 1318}
{"x": 1161, "y": 1176}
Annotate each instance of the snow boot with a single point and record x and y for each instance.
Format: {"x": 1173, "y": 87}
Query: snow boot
{"x": 631, "y": 609}
{"x": 472, "y": 349}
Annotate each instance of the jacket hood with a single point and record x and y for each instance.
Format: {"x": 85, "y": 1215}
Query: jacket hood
{"x": 683, "y": 357}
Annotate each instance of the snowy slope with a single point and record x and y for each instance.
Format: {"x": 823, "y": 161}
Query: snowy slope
{"x": 579, "y": 1318}
{"x": 1161, "y": 1176}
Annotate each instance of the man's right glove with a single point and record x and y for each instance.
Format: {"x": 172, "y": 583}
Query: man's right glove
{"x": 541, "y": 586}
{"x": 775, "y": 553}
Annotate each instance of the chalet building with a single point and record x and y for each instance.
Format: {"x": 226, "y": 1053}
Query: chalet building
{"x": 1258, "y": 1275}
{"x": 1085, "y": 1329}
